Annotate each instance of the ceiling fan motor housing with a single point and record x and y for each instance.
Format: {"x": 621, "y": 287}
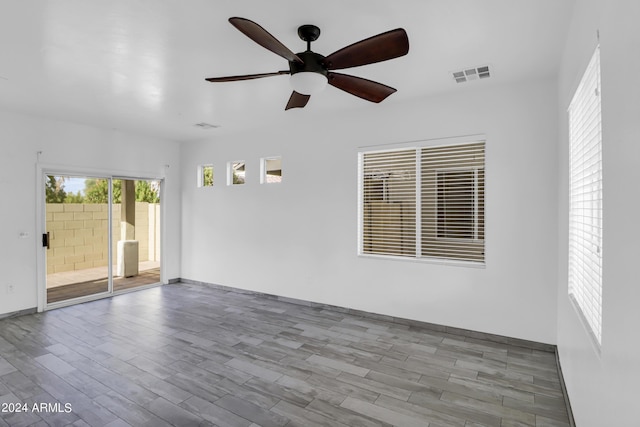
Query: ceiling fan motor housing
{"x": 313, "y": 63}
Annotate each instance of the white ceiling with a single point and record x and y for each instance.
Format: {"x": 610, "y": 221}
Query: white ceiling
{"x": 139, "y": 65}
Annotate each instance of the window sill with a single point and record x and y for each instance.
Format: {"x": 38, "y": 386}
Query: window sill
{"x": 585, "y": 324}
{"x": 425, "y": 260}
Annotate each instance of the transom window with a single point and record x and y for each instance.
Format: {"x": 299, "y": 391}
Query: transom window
{"x": 271, "y": 170}
{"x": 236, "y": 173}
{"x": 424, "y": 202}
{"x": 205, "y": 175}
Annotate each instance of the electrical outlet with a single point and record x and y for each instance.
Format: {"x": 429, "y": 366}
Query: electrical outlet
{"x": 10, "y": 289}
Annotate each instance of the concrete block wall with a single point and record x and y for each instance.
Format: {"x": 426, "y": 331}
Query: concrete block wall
{"x": 79, "y": 234}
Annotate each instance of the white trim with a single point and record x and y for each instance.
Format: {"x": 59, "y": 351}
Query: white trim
{"x": 360, "y": 208}
{"x": 418, "y": 146}
{"x": 427, "y": 142}
{"x": 110, "y": 239}
{"x": 418, "y": 203}
{"x": 264, "y": 170}
{"x": 200, "y": 178}
{"x": 427, "y": 260}
{"x": 230, "y": 169}
{"x": 41, "y": 227}
{"x": 43, "y": 170}
{"x": 95, "y": 297}
{"x": 585, "y": 324}
{"x": 164, "y": 280}
{"x": 57, "y": 169}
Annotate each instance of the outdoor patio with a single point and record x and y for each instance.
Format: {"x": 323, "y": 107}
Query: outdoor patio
{"x": 74, "y": 284}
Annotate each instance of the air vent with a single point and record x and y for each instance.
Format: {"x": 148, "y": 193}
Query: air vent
{"x": 204, "y": 125}
{"x": 471, "y": 74}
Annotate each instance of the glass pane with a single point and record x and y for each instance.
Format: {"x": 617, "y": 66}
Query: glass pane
{"x": 236, "y": 173}
{"x": 135, "y": 233}
{"x": 272, "y": 170}
{"x": 389, "y": 203}
{"x": 452, "y": 201}
{"x": 206, "y": 177}
{"x": 77, "y": 215}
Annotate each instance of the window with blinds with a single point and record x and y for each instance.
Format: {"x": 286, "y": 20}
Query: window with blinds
{"x": 585, "y": 208}
{"x": 389, "y": 203}
{"x": 424, "y": 202}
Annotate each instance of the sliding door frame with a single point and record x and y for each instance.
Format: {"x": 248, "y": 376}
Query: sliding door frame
{"x": 43, "y": 170}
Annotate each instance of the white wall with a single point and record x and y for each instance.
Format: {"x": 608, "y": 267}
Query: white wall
{"x": 63, "y": 146}
{"x": 603, "y": 388}
{"x": 299, "y": 239}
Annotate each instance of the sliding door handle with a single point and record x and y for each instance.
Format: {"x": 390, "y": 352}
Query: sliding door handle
{"x": 45, "y": 241}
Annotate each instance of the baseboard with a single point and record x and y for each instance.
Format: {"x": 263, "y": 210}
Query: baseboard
{"x": 565, "y": 394}
{"x": 467, "y": 333}
{"x": 19, "y": 313}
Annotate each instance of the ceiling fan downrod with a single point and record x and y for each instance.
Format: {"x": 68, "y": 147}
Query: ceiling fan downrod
{"x": 308, "y": 33}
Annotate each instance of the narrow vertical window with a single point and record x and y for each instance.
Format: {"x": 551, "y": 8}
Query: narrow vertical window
{"x": 205, "y": 176}
{"x": 271, "y": 168}
{"x": 236, "y": 173}
{"x": 585, "y": 192}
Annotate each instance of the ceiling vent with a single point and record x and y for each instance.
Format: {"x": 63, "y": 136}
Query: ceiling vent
{"x": 471, "y": 74}
{"x": 203, "y": 125}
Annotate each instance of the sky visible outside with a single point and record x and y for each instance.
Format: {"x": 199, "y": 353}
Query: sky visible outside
{"x": 73, "y": 185}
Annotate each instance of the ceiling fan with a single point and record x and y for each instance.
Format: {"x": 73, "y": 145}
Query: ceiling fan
{"x": 311, "y": 72}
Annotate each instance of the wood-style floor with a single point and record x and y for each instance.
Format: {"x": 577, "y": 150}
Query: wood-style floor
{"x": 190, "y": 355}
{"x": 92, "y": 287}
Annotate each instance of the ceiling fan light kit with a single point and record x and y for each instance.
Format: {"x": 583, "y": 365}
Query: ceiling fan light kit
{"x": 308, "y": 77}
{"x": 311, "y": 72}
{"x": 308, "y": 82}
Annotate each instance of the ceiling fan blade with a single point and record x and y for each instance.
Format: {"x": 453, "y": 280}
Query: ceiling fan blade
{"x": 382, "y": 47}
{"x": 297, "y": 100}
{"x": 245, "y": 77}
{"x": 259, "y": 35}
{"x": 363, "y": 88}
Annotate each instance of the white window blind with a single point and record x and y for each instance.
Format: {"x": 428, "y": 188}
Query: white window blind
{"x": 585, "y": 210}
{"x": 453, "y": 202}
{"x": 456, "y": 204}
{"x": 389, "y": 203}
{"x": 424, "y": 202}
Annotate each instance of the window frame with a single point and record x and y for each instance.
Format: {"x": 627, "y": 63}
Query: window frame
{"x": 201, "y": 179}
{"x": 264, "y": 171}
{"x": 582, "y": 284}
{"x": 231, "y": 169}
{"x": 417, "y": 147}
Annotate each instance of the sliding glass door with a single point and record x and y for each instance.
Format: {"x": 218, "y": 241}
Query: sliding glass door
{"x": 77, "y": 226}
{"x": 136, "y": 233}
{"x": 102, "y": 236}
